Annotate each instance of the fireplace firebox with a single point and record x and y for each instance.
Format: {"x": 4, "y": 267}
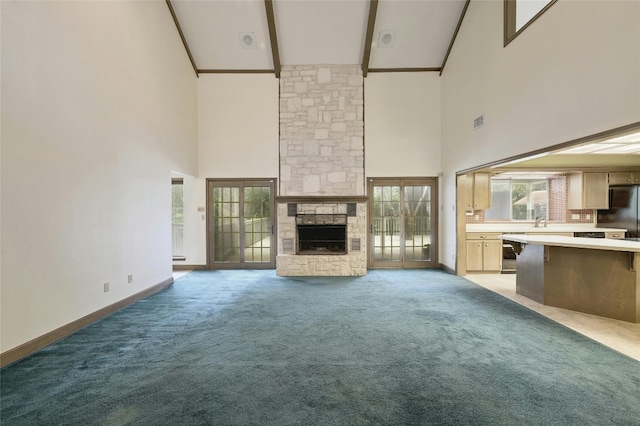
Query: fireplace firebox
{"x": 321, "y": 234}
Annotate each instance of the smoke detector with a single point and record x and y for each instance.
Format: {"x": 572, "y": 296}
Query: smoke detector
{"x": 248, "y": 40}
{"x": 386, "y": 38}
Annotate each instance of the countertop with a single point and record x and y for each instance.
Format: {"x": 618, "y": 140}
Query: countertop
{"x": 588, "y": 243}
{"x": 528, "y": 227}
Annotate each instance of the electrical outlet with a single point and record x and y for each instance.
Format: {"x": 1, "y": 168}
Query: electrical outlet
{"x": 106, "y": 287}
{"x": 130, "y": 278}
{"x": 588, "y": 216}
{"x": 575, "y": 216}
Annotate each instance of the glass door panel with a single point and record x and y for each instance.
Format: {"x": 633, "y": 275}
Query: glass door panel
{"x": 257, "y": 224}
{"x": 240, "y": 224}
{"x": 417, "y": 223}
{"x": 402, "y": 223}
{"x": 226, "y": 207}
{"x": 386, "y": 224}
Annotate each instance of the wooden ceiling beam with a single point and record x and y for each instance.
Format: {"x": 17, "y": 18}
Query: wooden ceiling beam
{"x": 368, "y": 40}
{"x": 455, "y": 34}
{"x": 184, "y": 40}
{"x": 271, "y": 22}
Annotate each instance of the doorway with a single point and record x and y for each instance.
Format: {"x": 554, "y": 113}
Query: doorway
{"x": 403, "y": 227}
{"x": 240, "y": 224}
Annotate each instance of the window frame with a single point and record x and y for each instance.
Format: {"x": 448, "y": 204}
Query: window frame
{"x": 529, "y": 181}
{"x": 510, "y": 32}
{"x": 177, "y": 182}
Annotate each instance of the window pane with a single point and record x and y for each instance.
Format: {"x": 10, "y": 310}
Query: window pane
{"x": 177, "y": 218}
{"x": 519, "y": 200}
{"x": 521, "y": 13}
{"x": 527, "y": 9}
{"x": 500, "y": 200}
{"x": 522, "y": 199}
{"x": 529, "y": 199}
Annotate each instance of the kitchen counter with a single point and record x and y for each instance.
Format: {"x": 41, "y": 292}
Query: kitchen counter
{"x": 586, "y": 243}
{"x": 506, "y": 228}
{"x": 592, "y": 275}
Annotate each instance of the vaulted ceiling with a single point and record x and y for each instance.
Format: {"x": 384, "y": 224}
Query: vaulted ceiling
{"x": 263, "y": 35}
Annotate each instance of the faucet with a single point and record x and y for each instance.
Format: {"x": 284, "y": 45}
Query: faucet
{"x": 537, "y": 223}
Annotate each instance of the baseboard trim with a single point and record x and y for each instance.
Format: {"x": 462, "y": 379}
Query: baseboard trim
{"x": 26, "y": 349}
{"x": 189, "y": 267}
{"x": 447, "y": 269}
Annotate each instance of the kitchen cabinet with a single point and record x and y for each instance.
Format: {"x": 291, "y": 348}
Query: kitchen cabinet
{"x": 624, "y": 178}
{"x": 484, "y": 252}
{"x": 476, "y": 190}
{"x": 614, "y": 235}
{"x": 588, "y": 191}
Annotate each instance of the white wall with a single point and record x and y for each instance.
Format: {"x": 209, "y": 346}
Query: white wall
{"x": 99, "y": 105}
{"x": 574, "y": 72}
{"x": 238, "y": 123}
{"x": 402, "y": 124}
{"x": 238, "y": 138}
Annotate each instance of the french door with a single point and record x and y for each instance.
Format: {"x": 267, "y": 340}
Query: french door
{"x": 403, "y": 227}
{"x": 240, "y": 224}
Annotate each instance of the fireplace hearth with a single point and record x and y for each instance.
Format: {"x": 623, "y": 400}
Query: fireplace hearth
{"x": 321, "y": 234}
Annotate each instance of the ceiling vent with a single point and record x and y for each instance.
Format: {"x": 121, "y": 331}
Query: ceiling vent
{"x": 248, "y": 40}
{"x": 386, "y": 38}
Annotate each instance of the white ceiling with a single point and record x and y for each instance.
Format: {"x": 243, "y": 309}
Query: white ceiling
{"x": 624, "y": 145}
{"x": 618, "y": 151}
{"x": 317, "y": 32}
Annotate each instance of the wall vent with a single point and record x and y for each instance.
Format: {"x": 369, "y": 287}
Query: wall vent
{"x": 287, "y": 245}
{"x": 355, "y": 244}
{"x": 478, "y": 122}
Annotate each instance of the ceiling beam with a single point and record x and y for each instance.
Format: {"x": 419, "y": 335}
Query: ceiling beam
{"x": 271, "y": 22}
{"x": 455, "y": 34}
{"x": 368, "y": 40}
{"x": 184, "y": 40}
{"x": 433, "y": 69}
{"x": 235, "y": 71}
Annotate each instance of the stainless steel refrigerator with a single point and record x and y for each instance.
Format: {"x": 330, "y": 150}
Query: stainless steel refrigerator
{"x": 624, "y": 211}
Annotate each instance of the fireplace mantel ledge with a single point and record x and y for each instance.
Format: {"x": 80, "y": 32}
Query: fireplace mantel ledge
{"x": 322, "y": 198}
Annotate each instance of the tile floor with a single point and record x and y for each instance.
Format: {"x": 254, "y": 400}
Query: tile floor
{"x": 621, "y": 336}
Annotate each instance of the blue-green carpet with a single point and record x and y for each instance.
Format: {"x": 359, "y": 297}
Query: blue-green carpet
{"x": 394, "y": 347}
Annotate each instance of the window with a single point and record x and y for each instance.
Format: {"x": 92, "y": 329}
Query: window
{"x": 519, "y": 14}
{"x": 177, "y": 218}
{"x": 518, "y": 199}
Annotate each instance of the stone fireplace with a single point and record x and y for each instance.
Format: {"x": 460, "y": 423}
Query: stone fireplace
{"x": 321, "y": 181}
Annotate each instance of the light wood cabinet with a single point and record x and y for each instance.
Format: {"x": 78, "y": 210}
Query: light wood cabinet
{"x": 624, "y": 178}
{"x": 614, "y": 235}
{"x": 484, "y": 252}
{"x": 474, "y": 256}
{"x": 476, "y": 190}
{"x": 588, "y": 191}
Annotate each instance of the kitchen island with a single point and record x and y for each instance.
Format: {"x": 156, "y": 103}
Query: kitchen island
{"x": 592, "y": 275}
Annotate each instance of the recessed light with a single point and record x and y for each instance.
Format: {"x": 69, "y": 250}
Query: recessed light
{"x": 386, "y": 38}
{"x": 248, "y": 39}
